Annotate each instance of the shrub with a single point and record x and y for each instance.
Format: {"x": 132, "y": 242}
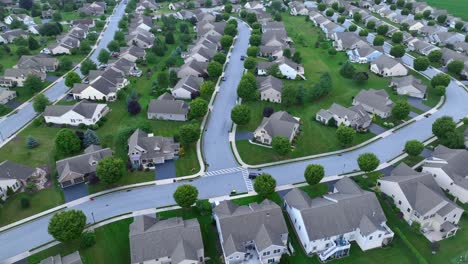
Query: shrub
{"x": 88, "y": 239}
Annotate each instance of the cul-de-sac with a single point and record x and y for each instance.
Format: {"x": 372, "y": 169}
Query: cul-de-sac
{"x": 233, "y": 131}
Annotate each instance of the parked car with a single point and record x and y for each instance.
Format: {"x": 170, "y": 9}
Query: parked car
{"x": 253, "y": 175}
{"x": 242, "y": 57}
{"x": 115, "y": 54}
{"x": 223, "y": 78}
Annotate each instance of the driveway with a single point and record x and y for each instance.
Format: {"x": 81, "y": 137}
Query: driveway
{"x": 51, "y": 78}
{"x": 418, "y": 103}
{"x": 376, "y": 129}
{"x": 244, "y": 135}
{"x": 165, "y": 171}
{"x": 74, "y": 192}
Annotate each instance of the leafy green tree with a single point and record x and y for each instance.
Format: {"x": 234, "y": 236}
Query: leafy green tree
{"x": 441, "y": 19}
{"x": 57, "y": 17}
{"x": 378, "y": 41}
{"x": 341, "y": 19}
{"x": 40, "y": 102}
{"x": 357, "y": 17}
{"x": 72, "y": 78}
{"x": 253, "y": 51}
{"x": 50, "y": 29}
{"x": 215, "y": 69}
{"x": 90, "y": 138}
{"x": 65, "y": 64}
{"x": 440, "y": 79}
{"x": 173, "y": 78}
{"x": 459, "y": 25}
{"x": 189, "y": 134}
{"x": 264, "y": 185}
{"x": 67, "y": 142}
{"x": 220, "y": 57}
{"x": 251, "y": 18}
{"x": 88, "y": 239}
{"x": 289, "y": 95}
{"x": 31, "y": 142}
{"x": 368, "y": 162}
{"x": 345, "y": 135}
{"x": 370, "y": 25}
{"x": 455, "y": 66}
{"x": 397, "y": 37}
{"x": 314, "y": 173}
{"x": 435, "y": 56}
{"x": 113, "y": 46}
{"x": 321, "y": 7}
{"x": 198, "y": 108}
{"x": 281, "y": 145}
{"x": 133, "y": 107}
{"x": 230, "y": 30}
{"x": 440, "y": 90}
{"x": 228, "y": 8}
{"x": 226, "y": 42}
{"x": 255, "y": 40}
{"x": 33, "y": 83}
{"x": 169, "y": 37}
{"x": 110, "y": 169}
{"x": 452, "y": 139}
{"x": 206, "y": 89}
{"x": 247, "y": 88}
{"x": 87, "y": 66}
{"x": 442, "y": 126}
{"x": 414, "y": 147}
{"x": 329, "y": 12}
{"x": 250, "y": 63}
{"x": 103, "y": 56}
{"x": 347, "y": 70}
{"x": 401, "y": 110}
{"x": 363, "y": 33}
{"x": 360, "y": 77}
{"x": 427, "y": 14}
{"x": 240, "y": 114}
{"x": 67, "y": 225}
{"x": 297, "y": 58}
{"x": 85, "y": 47}
{"x": 32, "y": 43}
{"x": 421, "y": 63}
{"x": 398, "y": 51}
{"x": 186, "y": 195}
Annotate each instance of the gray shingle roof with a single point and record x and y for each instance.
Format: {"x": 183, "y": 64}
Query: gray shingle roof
{"x": 13, "y": 170}
{"x": 377, "y": 99}
{"x": 455, "y": 165}
{"x": 385, "y": 61}
{"x": 84, "y": 108}
{"x": 263, "y": 223}
{"x": 338, "y": 213}
{"x": 409, "y": 80}
{"x": 190, "y": 83}
{"x": 279, "y": 124}
{"x": 269, "y": 82}
{"x": 168, "y": 106}
{"x": 154, "y": 146}
{"x": 175, "y": 238}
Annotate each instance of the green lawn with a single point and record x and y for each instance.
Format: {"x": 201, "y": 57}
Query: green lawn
{"x": 454, "y": 7}
{"x": 43, "y": 200}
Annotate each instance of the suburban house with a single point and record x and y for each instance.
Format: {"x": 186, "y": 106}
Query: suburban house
{"x": 47, "y": 14}
{"x": 94, "y": 9}
{"x": 256, "y": 232}
{"x": 446, "y": 38}
{"x": 132, "y": 53}
{"x": 375, "y": 101}
{"x": 173, "y": 240}
{"x": 73, "y": 258}
{"x": 23, "y": 18}
{"x": 298, "y": 9}
{"x": 421, "y": 7}
{"x": 254, "y": 5}
{"x": 148, "y": 150}
{"x": 347, "y": 41}
{"x": 89, "y": 22}
{"x": 41, "y": 62}
{"x": 140, "y": 38}
{"x": 288, "y": 68}
{"x": 187, "y": 88}
{"x": 10, "y": 35}
{"x": 14, "y": 176}
{"x": 388, "y": 67}
{"x": 16, "y": 77}
{"x": 270, "y": 88}
{"x": 126, "y": 67}
{"x": 82, "y": 112}
{"x": 421, "y": 46}
{"x": 421, "y": 201}
{"x": 409, "y": 85}
{"x": 6, "y": 95}
{"x": 193, "y": 67}
{"x": 167, "y": 108}
{"x": 461, "y": 47}
{"x": 279, "y": 124}
{"x": 103, "y": 85}
{"x": 146, "y": 5}
{"x": 326, "y": 225}
{"x": 450, "y": 170}
{"x": 273, "y": 26}
{"x": 449, "y": 55}
{"x": 78, "y": 169}
{"x": 363, "y": 54}
{"x": 354, "y": 116}
{"x": 64, "y": 45}
{"x": 205, "y": 28}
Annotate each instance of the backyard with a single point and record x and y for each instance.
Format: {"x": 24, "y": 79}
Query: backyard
{"x": 454, "y": 7}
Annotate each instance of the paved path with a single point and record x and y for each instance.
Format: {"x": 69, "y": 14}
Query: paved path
{"x": 11, "y": 124}
{"x": 225, "y": 175}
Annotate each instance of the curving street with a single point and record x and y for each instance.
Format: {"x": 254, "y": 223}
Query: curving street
{"x": 219, "y": 157}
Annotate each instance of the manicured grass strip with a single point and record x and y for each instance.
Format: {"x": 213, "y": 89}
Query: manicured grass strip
{"x": 405, "y": 240}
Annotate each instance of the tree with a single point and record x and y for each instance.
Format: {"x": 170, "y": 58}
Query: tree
{"x": 220, "y": 57}
{"x": 441, "y": 19}
{"x": 347, "y": 70}
{"x": 240, "y": 115}
{"x": 206, "y": 89}
{"x": 329, "y": 12}
{"x": 87, "y": 66}
{"x": 268, "y": 111}
{"x": 85, "y": 47}
{"x": 230, "y": 30}
{"x": 398, "y": 51}
{"x": 322, "y": 7}
{"x": 401, "y": 110}
{"x": 88, "y": 239}
{"x": 345, "y": 135}
{"x": 26, "y": 4}
{"x": 427, "y": 14}
{"x": 20, "y": 51}
{"x": 40, "y": 102}
{"x": 281, "y": 145}
{"x": 189, "y": 134}
{"x": 31, "y": 142}
{"x": 264, "y": 184}
{"x": 50, "y": 29}
{"x": 228, "y": 8}
{"x": 341, "y": 19}
{"x": 442, "y": 126}
{"x": 435, "y": 56}
{"x": 67, "y": 142}
{"x": 414, "y": 147}
{"x": 314, "y": 173}
{"x": 370, "y": 25}
{"x": 251, "y": 18}
{"x": 57, "y": 17}
{"x": 255, "y": 40}
{"x": 72, "y": 78}
{"x": 397, "y": 37}
{"x": 297, "y": 58}
{"x": 186, "y": 195}
{"x": 368, "y": 162}
{"x": 382, "y": 30}
{"x": 361, "y": 77}
{"x": 226, "y": 42}
{"x": 110, "y": 169}
{"x": 169, "y": 37}
{"x": 421, "y": 63}
{"x": 378, "y": 41}
{"x": 32, "y": 43}
{"x": 113, "y": 46}
{"x": 400, "y": 3}
{"x": 133, "y": 107}
{"x": 289, "y": 95}
{"x": 332, "y": 51}
{"x": 357, "y": 17}
{"x": 363, "y": 33}
{"x": 250, "y": 63}
{"x": 65, "y": 64}
{"x": 253, "y": 51}
{"x": 215, "y": 69}
{"x": 276, "y": 5}
{"x": 67, "y": 225}
{"x": 452, "y": 139}
{"x": 198, "y": 108}
{"x": 440, "y": 90}
{"x": 247, "y": 88}
{"x": 173, "y": 78}
{"x": 90, "y": 138}
{"x": 103, "y": 56}
{"x": 33, "y": 83}
{"x": 440, "y": 79}
{"x": 351, "y": 28}
{"x": 455, "y": 66}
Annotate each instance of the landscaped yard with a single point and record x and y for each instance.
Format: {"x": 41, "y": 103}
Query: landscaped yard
{"x": 454, "y": 7}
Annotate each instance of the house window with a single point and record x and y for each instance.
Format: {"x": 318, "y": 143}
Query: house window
{"x": 399, "y": 202}
{"x": 370, "y": 238}
{"x": 455, "y": 215}
{"x": 408, "y": 210}
{"x": 299, "y": 227}
{"x": 380, "y": 235}
{"x": 295, "y": 220}
{"x": 314, "y": 248}
{"x": 445, "y": 218}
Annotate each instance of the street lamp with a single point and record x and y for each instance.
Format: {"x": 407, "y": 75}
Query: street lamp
{"x": 94, "y": 220}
